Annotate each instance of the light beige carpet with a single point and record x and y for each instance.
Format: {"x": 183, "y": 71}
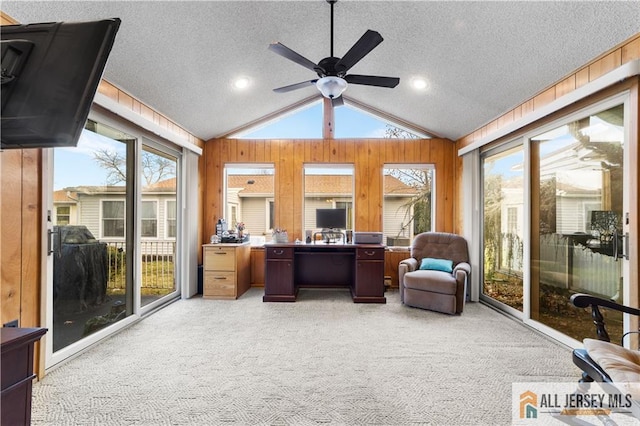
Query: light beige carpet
{"x": 322, "y": 360}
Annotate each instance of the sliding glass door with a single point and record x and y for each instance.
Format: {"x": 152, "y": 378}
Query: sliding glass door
{"x": 114, "y": 238}
{"x": 158, "y": 225}
{"x": 503, "y": 226}
{"x": 555, "y": 221}
{"x": 577, "y": 219}
{"x": 92, "y": 262}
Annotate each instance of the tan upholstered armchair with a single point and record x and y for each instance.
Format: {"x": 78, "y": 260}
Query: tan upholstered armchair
{"x": 435, "y": 276}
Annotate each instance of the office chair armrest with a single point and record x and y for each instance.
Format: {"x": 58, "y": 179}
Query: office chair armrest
{"x": 586, "y": 300}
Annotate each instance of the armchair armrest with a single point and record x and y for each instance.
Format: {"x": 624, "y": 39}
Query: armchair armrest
{"x": 462, "y": 266}
{"x": 411, "y": 264}
{"x": 585, "y": 300}
{"x": 406, "y": 265}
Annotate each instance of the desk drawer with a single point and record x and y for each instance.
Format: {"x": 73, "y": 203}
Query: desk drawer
{"x": 220, "y": 258}
{"x": 279, "y": 252}
{"x": 221, "y": 284}
{"x": 374, "y": 253}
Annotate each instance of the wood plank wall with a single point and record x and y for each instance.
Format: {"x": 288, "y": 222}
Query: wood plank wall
{"x": 368, "y": 157}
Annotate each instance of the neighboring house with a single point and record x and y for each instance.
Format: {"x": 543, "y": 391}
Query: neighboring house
{"x": 249, "y": 197}
{"x": 251, "y": 200}
{"x": 101, "y": 210}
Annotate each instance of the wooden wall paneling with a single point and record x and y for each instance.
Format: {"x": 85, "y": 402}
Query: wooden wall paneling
{"x": 251, "y": 151}
{"x": 334, "y": 151}
{"x": 11, "y": 225}
{"x": 257, "y": 267}
{"x": 565, "y": 86}
{"x": 390, "y": 151}
{"x": 213, "y": 187}
{"x": 605, "y": 64}
{"x": 258, "y": 147}
{"x": 368, "y": 156}
{"x": 543, "y": 99}
{"x": 375, "y": 193}
{"x": 361, "y": 187}
{"x": 298, "y": 189}
{"x": 349, "y": 150}
{"x": 242, "y": 152}
{"x": 391, "y": 261}
{"x": 314, "y": 151}
{"x": 284, "y": 192}
{"x": 31, "y": 233}
{"x": 631, "y": 51}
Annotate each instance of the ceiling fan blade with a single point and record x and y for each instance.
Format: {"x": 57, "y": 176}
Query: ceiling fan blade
{"x": 284, "y": 51}
{"x": 336, "y": 102}
{"x": 372, "y": 80}
{"x": 366, "y": 44}
{"x": 296, "y": 86}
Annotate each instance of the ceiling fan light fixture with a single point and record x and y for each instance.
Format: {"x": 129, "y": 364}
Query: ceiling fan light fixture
{"x": 331, "y": 87}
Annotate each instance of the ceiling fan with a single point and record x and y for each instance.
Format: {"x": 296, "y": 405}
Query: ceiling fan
{"x": 332, "y": 71}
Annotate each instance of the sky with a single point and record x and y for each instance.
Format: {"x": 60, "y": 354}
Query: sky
{"x": 307, "y": 124}
{"x": 76, "y": 166}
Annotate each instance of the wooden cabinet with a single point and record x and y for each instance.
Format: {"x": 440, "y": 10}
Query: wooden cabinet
{"x": 226, "y": 270}
{"x": 17, "y": 373}
{"x": 368, "y": 285}
{"x": 279, "y": 275}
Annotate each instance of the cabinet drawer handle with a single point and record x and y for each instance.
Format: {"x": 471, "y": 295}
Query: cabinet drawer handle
{"x": 221, "y": 252}
{"x": 369, "y": 253}
{"x": 220, "y": 278}
{"x": 278, "y": 252}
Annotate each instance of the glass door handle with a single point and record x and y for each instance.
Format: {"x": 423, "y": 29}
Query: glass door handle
{"x": 625, "y": 253}
{"x": 51, "y": 242}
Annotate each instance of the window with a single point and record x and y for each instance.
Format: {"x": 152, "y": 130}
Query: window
{"x": 408, "y": 202}
{"x": 249, "y": 198}
{"x": 149, "y": 217}
{"x": 327, "y": 187}
{"x": 171, "y": 218}
{"x": 63, "y": 214}
{"x": 350, "y": 122}
{"x": 113, "y": 219}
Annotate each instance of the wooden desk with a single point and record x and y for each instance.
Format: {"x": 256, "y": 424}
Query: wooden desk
{"x": 17, "y": 373}
{"x": 289, "y": 267}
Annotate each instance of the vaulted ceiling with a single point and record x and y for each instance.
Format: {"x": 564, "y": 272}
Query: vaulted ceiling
{"x": 479, "y": 59}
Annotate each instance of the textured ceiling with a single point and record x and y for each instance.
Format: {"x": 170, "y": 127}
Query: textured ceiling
{"x": 480, "y": 58}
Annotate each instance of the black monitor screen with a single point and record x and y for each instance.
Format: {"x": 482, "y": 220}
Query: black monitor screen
{"x": 50, "y": 74}
{"x": 331, "y": 218}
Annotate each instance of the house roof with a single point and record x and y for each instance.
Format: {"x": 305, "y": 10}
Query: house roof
{"x": 65, "y": 196}
{"x": 314, "y": 184}
{"x": 480, "y": 59}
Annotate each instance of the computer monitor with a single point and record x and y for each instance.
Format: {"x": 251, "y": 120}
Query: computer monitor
{"x": 50, "y": 74}
{"x": 331, "y": 218}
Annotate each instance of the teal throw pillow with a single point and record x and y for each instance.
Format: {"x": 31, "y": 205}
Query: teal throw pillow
{"x": 433, "y": 264}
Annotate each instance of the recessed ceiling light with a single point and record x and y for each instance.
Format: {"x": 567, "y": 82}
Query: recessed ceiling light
{"x": 419, "y": 83}
{"x": 241, "y": 83}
